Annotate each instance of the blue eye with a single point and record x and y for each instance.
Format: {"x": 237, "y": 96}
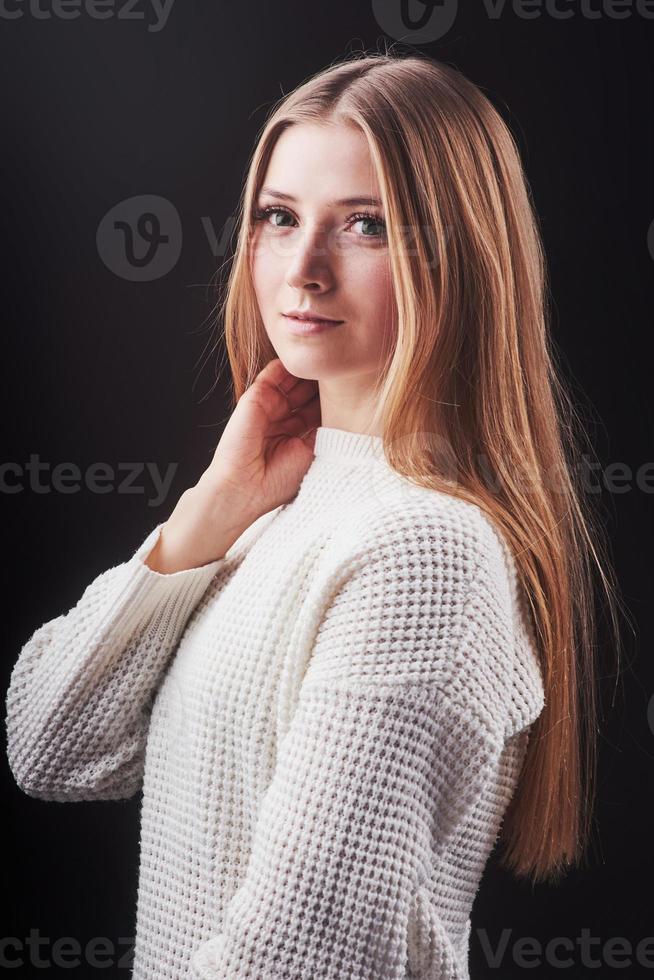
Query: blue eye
{"x": 375, "y": 219}
{"x": 261, "y": 214}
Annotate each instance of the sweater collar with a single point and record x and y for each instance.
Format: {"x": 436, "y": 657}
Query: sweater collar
{"x": 348, "y": 447}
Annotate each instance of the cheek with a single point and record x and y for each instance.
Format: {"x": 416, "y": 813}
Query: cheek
{"x": 262, "y": 271}
{"x": 379, "y": 299}
{"x": 267, "y": 267}
{"x": 369, "y": 268}
{"x": 380, "y": 281}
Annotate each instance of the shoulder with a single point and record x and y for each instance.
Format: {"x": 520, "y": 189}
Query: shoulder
{"x": 402, "y": 576}
{"x": 425, "y": 532}
{"x": 428, "y": 593}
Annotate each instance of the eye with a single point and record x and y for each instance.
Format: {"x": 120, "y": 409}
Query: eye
{"x": 262, "y": 214}
{"x": 374, "y": 218}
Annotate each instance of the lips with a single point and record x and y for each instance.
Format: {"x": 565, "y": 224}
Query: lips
{"x": 311, "y": 317}
{"x": 301, "y": 327}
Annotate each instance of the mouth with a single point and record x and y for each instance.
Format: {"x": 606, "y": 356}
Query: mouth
{"x": 310, "y": 324}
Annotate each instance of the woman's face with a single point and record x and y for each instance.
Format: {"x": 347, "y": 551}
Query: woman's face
{"x": 319, "y": 242}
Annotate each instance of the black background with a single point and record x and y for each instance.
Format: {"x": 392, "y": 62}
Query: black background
{"x": 99, "y": 368}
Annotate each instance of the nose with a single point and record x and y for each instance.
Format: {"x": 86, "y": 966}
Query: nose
{"x": 310, "y": 260}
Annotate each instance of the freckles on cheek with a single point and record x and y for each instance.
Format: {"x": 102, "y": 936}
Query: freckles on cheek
{"x": 369, "y": 274}
{"x": 379, "y": 275}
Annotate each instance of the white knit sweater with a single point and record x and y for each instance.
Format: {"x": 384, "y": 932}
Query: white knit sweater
{"x": 327, "y": 725}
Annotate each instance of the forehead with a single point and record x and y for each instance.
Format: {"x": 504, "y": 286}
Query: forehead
{"x": 321, "y": 163}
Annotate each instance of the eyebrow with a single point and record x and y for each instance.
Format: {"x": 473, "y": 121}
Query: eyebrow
{"x": 345, "y": 202}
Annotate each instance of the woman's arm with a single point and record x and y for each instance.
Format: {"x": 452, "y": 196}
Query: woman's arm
{"x": 80, "y": 692}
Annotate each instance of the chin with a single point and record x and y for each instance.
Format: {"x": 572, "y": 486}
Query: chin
{"x": 309, "y": 365}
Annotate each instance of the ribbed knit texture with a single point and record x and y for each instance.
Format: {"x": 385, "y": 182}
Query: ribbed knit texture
{"x": 327, "y": 725}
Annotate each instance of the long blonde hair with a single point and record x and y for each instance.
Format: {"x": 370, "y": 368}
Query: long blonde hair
{"x": 473, "y": 362}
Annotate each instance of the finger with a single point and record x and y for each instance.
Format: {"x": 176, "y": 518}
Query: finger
{"x": 311, "y": 413}
{"x": 275, "y": 373}
{"x": 293, "y": 425}
{"x": 310, "y": 438}
{"x": 302, "y": 395}
{"x": 299, "y": 421}
{"x": 279, "y": 392}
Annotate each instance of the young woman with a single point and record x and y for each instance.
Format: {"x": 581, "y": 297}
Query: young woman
{"x": 360, "y": 651}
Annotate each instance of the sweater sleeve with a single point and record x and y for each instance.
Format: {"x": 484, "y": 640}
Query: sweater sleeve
{"x": 376, "y": 771}
{"x": 80, "y": 692}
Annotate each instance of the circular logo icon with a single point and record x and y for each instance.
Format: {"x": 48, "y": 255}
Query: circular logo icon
{"x": 140, "y": 239}
{"x": 415, "y": 21}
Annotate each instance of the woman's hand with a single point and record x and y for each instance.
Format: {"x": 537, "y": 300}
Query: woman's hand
{"x": 259, "y": 463}
{"x": 267, "y": 444}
